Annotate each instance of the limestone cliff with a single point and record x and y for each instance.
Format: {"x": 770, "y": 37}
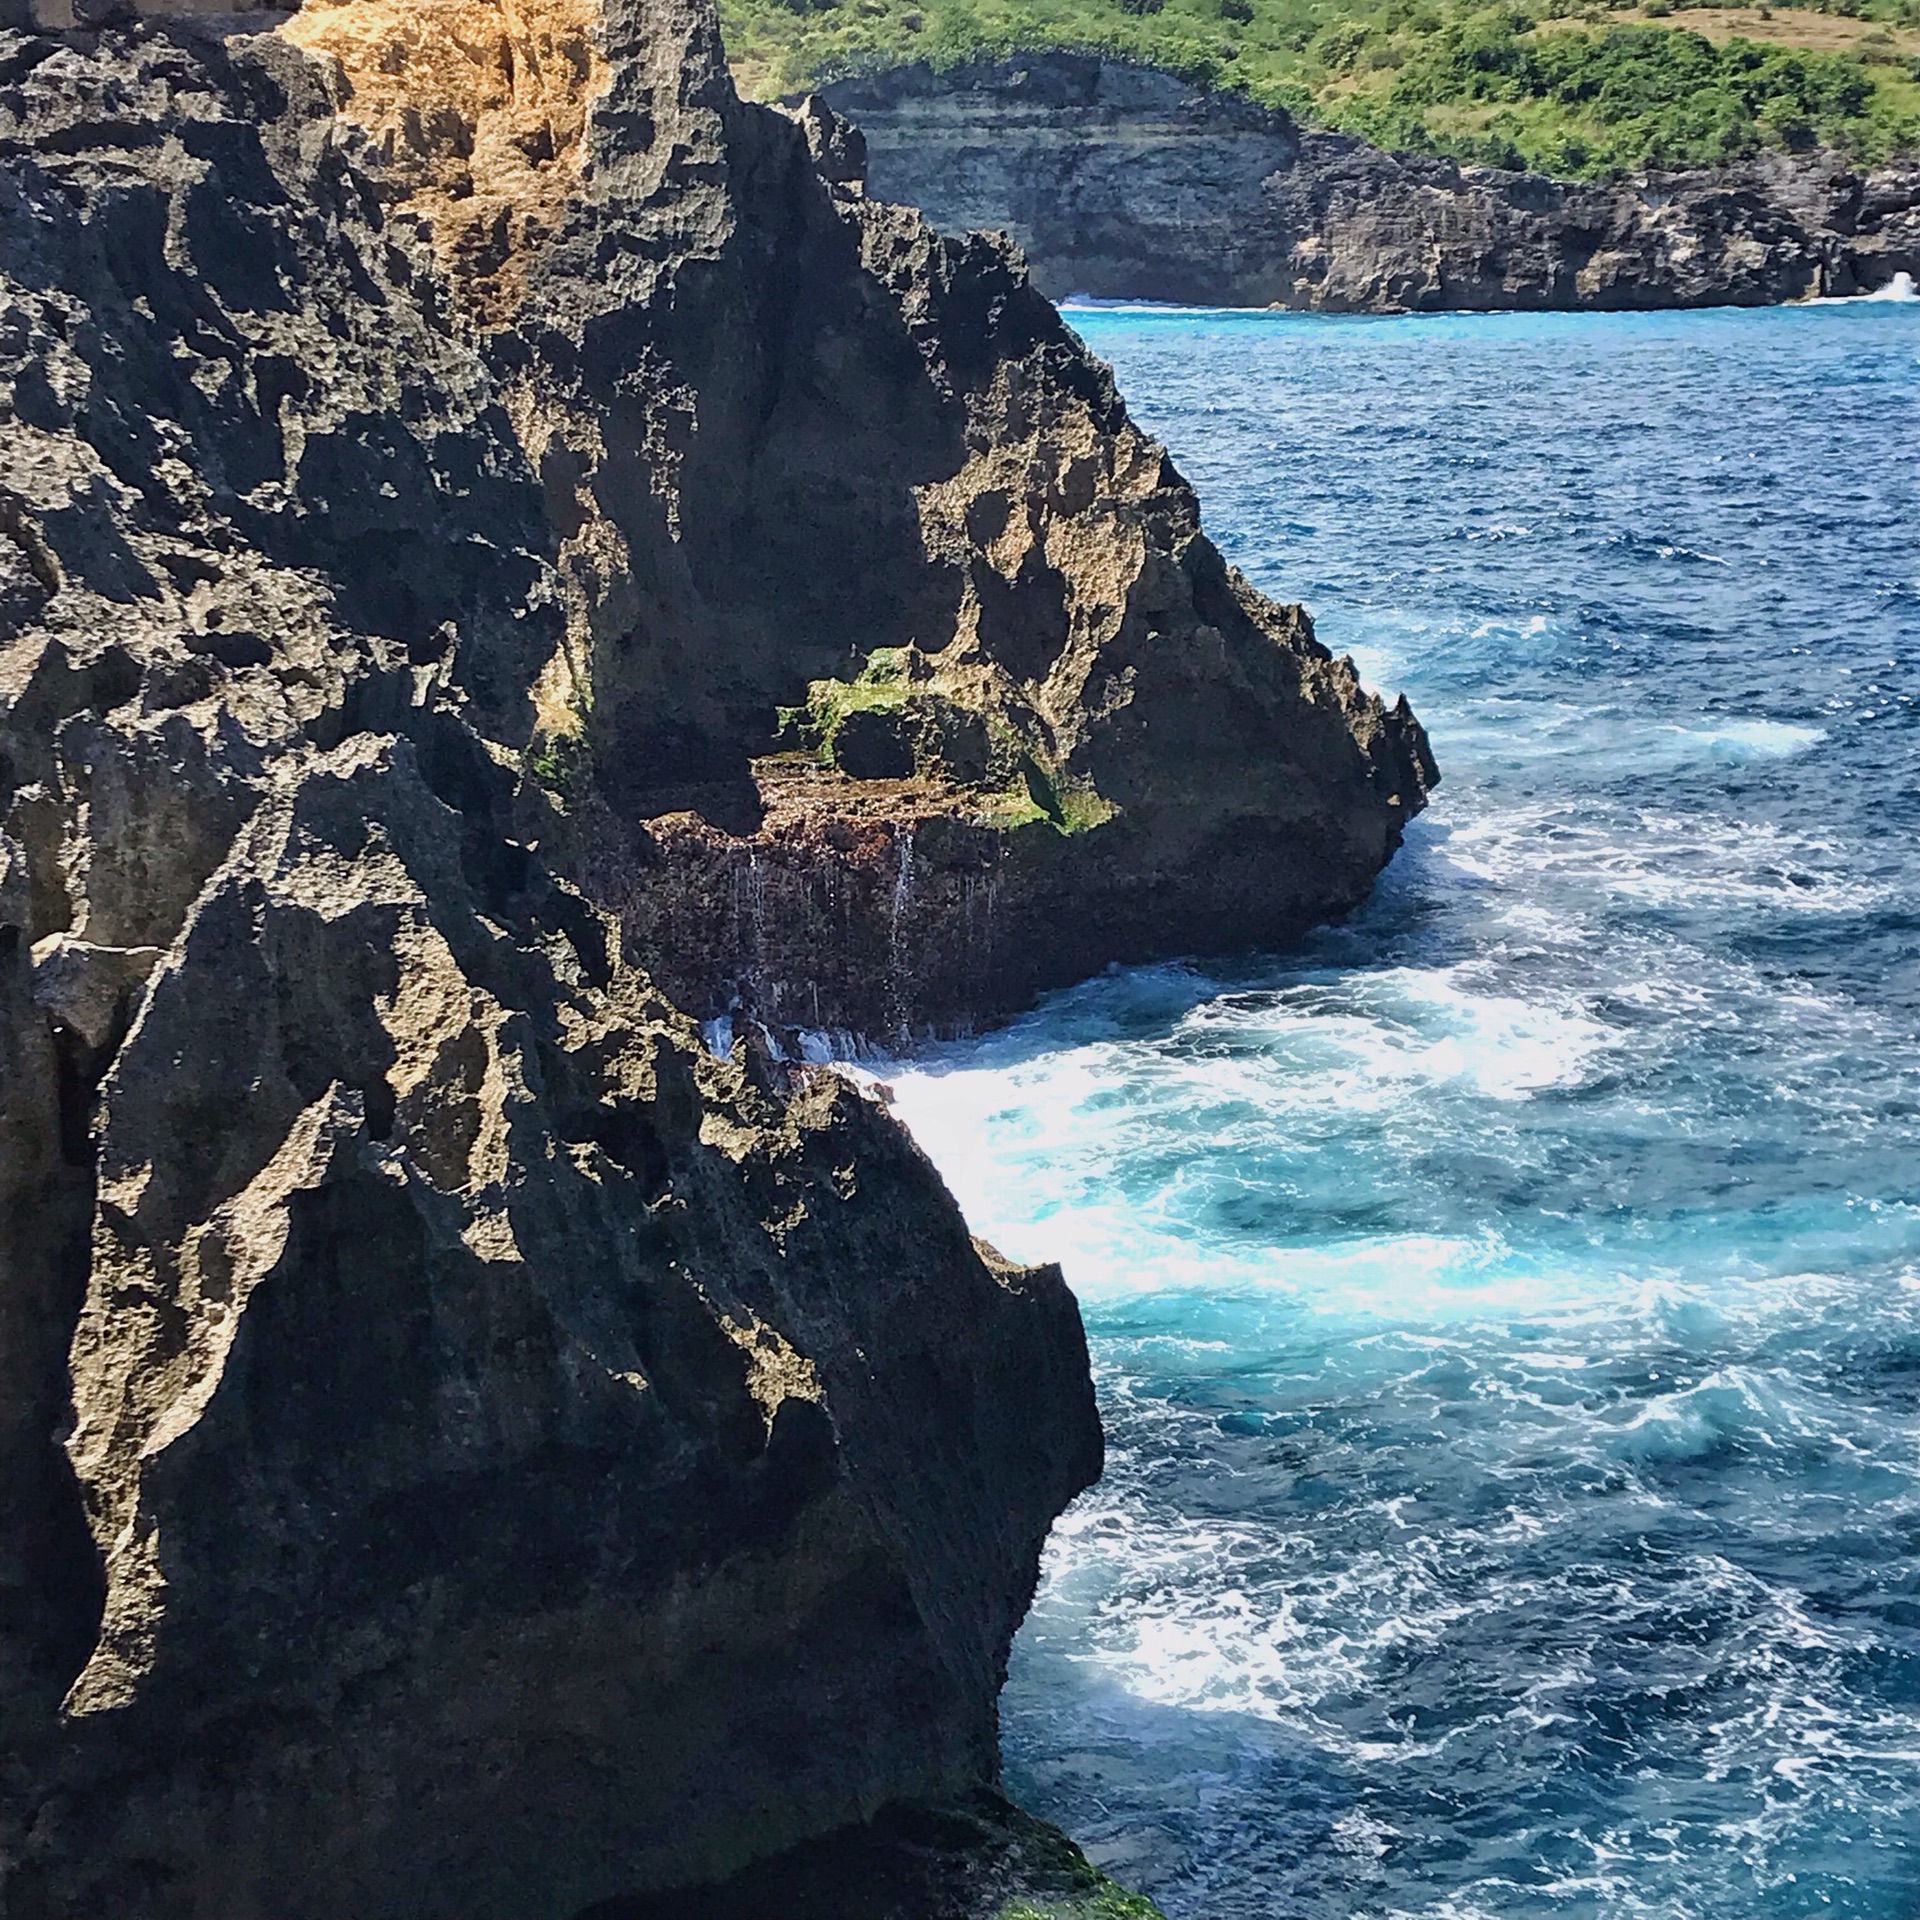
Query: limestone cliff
{"x": 464, "y": 1450}
{"x": 1127, "y": 183}
{"x": 900, "y": 681}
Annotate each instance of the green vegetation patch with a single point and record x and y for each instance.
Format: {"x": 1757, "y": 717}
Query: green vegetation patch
{"x": 920, "y": 732}
{"x": 1594, "y": 102}
{"x": 881, "y": 684}
{"x": 1036, "y": 794}
{"x": 1107, "y": 1902}
{"x": 563, "y": 764}
{"x": 1062, "y": 1884}
{"x": 1569, "y": 87}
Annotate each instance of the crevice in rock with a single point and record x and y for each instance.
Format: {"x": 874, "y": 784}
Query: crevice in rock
{"x": 81, "y": 1068}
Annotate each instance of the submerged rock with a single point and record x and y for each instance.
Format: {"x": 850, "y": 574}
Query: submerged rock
{"x": 1126, "y": 182}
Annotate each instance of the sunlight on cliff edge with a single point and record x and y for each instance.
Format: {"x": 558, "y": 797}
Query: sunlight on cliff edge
{"x": 479, "y": 108}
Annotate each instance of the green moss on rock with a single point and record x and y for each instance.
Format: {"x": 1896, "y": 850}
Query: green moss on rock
{"x": 1106, "y": 1902}
{"x": 1036, "y": 796}
{"x": 882, "y": 685}
{"x": 889, "y": 723}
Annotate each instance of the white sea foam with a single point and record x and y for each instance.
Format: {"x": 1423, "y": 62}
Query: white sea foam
{"x": 1504, "y": 1318}
{"x": 1662, "y": 859}
{"x": 1367, "y": 1040}
{"x": 1298, "y": 1618}
{"x": 1039, "y": 1150}
{"x": 1900, "y": 287}
{"x": 1740, "y": 741}
{"x": 1202, "y": 1624}
{"x": 1094, "y": 303}
{"x": 1732, "y": 1406}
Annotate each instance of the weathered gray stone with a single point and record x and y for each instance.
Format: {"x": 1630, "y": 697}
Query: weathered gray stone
{"x": 1129, "y": 183}
{"x": 85, "y": 987}
{"x": 464, "y": 1450}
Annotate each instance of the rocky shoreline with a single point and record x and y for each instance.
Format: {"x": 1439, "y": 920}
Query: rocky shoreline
{"x": 1250, "y": 790}
{"x": 1125, "y": 182}
{"x": 471, "y": 487}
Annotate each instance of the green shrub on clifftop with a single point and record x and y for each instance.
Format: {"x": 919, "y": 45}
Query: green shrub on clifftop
{"x": 1569, "y": 88}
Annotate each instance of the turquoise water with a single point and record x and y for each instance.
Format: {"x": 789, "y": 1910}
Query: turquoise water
{"x": 1507, "y": 1310}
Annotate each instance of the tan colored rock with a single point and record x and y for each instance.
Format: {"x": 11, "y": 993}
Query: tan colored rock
{"x": 478, "y": 109}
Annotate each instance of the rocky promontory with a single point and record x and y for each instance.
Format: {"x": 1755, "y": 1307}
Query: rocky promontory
{"x": 1125, "y": 182}
{"x": 915, "y": 686}
{"x": 472, "y": 490}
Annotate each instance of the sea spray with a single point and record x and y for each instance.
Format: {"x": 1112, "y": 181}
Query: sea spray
{"x": 1507, "y": 1309}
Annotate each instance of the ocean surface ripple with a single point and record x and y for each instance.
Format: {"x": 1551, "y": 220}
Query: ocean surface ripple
{"x": 1507, "y": 1310}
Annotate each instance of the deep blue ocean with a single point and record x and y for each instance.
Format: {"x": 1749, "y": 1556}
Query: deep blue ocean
{"x": 1506, "y": 1310}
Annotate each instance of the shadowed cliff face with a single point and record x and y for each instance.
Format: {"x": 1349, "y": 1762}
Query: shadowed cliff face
{"x": 1128, "y": 183}
{"x": 463, "y": 1450}
{"x": 813, "y": 457}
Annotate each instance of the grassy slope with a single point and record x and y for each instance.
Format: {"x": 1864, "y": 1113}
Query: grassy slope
{"x": 1571, "y": 87}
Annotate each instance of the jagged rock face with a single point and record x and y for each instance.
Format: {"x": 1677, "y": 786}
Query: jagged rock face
{"x": 785, "y": 431}
{"x": 1125, "y": 182}
{"x": 867, "y": 443}
{"x": 463, "y": 1450}
{"x": 892, "y": 907}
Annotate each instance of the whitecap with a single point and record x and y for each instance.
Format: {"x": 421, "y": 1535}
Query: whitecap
{"x": 1073, "y": 1156}
{"x": 1096, "y": 303}
{"x": 1740, "y": 741}
{"x": 1663, "y": 859}
{"x": 1733, "y": 1407}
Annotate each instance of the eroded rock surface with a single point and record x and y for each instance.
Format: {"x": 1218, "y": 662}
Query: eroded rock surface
{"x": 1128, "y": 183}
{"x": 909, "y": 679}
{"x": 465, "y": 1450}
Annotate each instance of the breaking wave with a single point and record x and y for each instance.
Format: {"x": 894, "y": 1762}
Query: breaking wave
{"x": 1506, "y": 1310}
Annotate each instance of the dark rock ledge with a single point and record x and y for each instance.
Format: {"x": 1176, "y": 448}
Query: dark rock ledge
{"x": 464, "y": 1450}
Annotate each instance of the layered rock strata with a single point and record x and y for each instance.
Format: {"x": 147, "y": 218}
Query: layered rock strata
{"x": 1128, "y": 183}
{"x": 463, "y": 1449}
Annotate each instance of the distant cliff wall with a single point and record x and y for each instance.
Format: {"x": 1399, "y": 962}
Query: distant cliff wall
{"x": 1128, "y": 183}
